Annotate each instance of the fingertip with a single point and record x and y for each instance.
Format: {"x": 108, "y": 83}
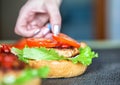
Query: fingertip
{"x": 36, "y": 32}
{"x": 31, "y": 33}
{"x": 55, "y": 19}
{"x": 43, "y": 32}
{"x": 56, "y": 29}
{"x": 26, "y": 33}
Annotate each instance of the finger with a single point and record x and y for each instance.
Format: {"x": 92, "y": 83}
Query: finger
{"x": 21, "y": 27}
{"x": 55, "y": 18}
{"x": 40, "y": 19}
{"x": 25, "y": 16}
{"x": 42, "y": 33}
{"x": 27, "y": 33}
{"x": 48, "y": 36}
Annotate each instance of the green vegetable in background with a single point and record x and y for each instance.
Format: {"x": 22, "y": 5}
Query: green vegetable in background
{"x": 26, "y": 75}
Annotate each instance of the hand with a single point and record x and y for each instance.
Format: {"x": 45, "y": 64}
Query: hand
{"x": 34, "y": 17}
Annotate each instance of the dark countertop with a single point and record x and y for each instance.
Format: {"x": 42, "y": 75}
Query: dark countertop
{"x": 104, "y": 70}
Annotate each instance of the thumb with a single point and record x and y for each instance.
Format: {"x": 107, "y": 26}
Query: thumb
{"x": 55, "y": 18}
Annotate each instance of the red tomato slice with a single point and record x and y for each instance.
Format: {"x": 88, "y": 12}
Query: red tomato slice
{"x": 20, "y": 43}
{"x": 62, "y": 38}
{"x": 35, "y": 42}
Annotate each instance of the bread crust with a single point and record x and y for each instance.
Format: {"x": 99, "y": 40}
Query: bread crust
{"x": 35, "y": 81}
{"x": 58, "y": 69}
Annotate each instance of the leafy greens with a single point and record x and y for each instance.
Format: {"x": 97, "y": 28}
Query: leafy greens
{"x": 26, "y": 75}
{"x": 85, "y": 57}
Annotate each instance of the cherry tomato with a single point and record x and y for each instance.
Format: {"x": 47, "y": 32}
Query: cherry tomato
{"x": 64, "y": 39}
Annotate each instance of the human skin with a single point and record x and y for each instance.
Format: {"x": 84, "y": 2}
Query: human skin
{"x": 34, "y": 17}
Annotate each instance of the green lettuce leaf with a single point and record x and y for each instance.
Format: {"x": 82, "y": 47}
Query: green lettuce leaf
{"x": 29, "y": 74}
{"x": 19, "y": 53}
{"x": 85, "y": 57}
{"x": 36, "y": 54}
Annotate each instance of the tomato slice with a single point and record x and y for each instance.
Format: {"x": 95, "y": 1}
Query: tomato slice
{"x": 41, "y": 42}
{"x": 64, "y": 39}
{"x": 20, "y": 43}
{"x": 61, "y": 40}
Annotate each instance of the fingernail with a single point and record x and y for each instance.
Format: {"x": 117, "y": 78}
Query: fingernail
{"x": 56, "y": 29}
{"x": 36, "y": 31}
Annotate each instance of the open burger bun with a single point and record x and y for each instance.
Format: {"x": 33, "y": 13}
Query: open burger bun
{"x": 62, "y": 68}
{"x": 14, "y": 74}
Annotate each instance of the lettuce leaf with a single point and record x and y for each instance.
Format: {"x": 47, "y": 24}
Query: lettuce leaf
{"x": 26, "y": 75}
{"x": 19, "y": 53}
{"x": 85, "y": 57}
{"x": 29, "y": 74}
{"x": 36, "y": 54}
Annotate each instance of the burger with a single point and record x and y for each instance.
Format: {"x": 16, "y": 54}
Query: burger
{"x": 63, "y": 55}
{"x": 15, "y": 72}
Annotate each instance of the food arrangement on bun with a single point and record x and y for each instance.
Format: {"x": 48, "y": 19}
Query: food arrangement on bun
{"x": 63, "y": 55}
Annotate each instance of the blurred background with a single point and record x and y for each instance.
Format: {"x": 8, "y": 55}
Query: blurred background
{"x": 82, "y": 19}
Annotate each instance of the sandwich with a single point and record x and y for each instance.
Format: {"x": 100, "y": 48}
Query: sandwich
{"x": 15, "y": 72}
{"x": 63, "y": 55}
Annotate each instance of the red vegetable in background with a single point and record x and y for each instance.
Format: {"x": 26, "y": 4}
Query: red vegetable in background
{"x": 9, "y": 60}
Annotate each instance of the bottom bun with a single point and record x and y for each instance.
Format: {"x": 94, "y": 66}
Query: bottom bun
{"x": 58, "y": 69}
{"x": 8, "y": 76}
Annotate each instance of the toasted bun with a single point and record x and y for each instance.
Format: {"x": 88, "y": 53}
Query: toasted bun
{"x": 35, "y": 81}
{"x": 60, "y": 69}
